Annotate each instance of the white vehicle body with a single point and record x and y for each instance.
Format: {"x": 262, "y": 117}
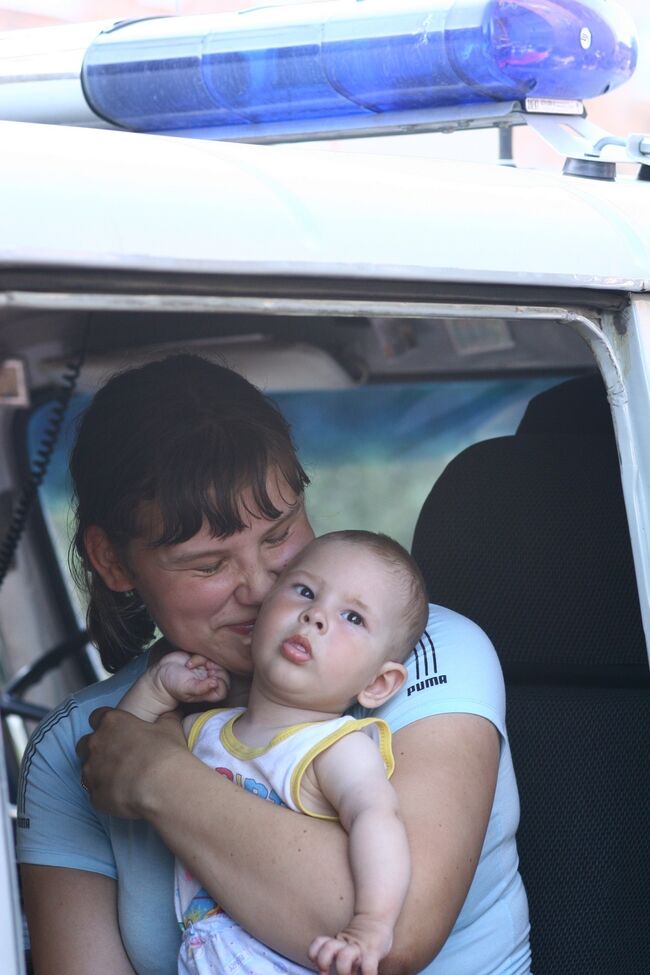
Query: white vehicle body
{"x": 119, "y": 226}
{"x": 459, "y": 241}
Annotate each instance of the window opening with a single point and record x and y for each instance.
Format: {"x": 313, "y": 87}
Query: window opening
{"x": 372, "y": 452}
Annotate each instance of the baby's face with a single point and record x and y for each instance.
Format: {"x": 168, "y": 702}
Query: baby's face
{"x": 327, "y": 626}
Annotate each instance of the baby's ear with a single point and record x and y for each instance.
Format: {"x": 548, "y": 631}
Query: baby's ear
{"x": 386, "y": 682}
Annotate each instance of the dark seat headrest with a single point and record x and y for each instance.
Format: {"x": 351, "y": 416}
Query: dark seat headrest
{"x": 577, "y": 407}
{"x": 527, "y": 535}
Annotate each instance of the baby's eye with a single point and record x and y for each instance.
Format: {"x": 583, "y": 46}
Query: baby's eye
{"x": 353, "y": 617}
{"x": 303, "y": 590}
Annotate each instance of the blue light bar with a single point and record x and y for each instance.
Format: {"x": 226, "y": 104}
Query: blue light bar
{"x": 353, "y": 58}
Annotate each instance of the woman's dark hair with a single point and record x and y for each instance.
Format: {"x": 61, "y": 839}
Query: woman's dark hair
{"x": 188, "y": 436}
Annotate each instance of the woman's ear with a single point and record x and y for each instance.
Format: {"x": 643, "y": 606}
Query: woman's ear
{"x": 105, "y": 560}
{"x": 387, "y": 682}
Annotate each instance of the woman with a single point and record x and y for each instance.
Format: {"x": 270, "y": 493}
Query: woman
{"x": 189, "y": 502}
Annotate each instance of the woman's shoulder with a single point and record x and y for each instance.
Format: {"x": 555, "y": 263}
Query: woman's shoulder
{"x": 457, "y": 647}
{"x": 449, "y": 630}
{"x": 69, "y": 720}
{"x": 454, "y": 668}
{"x": 110, "y": 690}
{"x": 56, "y": 825}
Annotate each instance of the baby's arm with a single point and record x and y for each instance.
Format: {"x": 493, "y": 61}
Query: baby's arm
{"x": 176, "y": 677}
{"x": 352, "y": 776}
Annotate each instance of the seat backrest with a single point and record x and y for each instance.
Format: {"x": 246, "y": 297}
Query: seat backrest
{"x": 527, "y": 535}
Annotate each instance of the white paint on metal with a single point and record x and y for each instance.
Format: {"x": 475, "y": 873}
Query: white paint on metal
{"x": 40, "y": 74}
{"x": 102, "y": 199}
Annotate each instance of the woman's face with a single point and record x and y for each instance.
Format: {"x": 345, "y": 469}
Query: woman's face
{"x": 204, "y": 594}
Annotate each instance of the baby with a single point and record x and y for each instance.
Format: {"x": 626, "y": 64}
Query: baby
{"x": 334, "y": 630}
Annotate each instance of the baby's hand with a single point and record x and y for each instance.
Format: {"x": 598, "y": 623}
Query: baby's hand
{"x": 357, "y": 950}
{"x": 190, "y": 677}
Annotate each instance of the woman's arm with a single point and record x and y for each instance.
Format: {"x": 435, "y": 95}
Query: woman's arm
{"x": 445, "y": 777}
{"x": 73, "y": 922}
{"x": 286, "y": 879}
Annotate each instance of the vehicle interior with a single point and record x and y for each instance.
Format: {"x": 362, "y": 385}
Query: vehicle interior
{"x": 486, "y": 445}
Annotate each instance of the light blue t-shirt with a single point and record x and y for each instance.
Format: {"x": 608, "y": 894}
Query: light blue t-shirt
{"x": 453, "y": 669}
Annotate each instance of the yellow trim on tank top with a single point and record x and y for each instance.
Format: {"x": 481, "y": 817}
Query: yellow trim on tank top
{"x": 385, "y": 751}
{"x": 198, "y": 723}
{"x": 238, "y": 749}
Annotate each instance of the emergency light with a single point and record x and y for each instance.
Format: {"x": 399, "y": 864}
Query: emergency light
{"x": 334, "y": 59}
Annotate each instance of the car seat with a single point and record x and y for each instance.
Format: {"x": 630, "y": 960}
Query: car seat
{"x": 527, "y": 535}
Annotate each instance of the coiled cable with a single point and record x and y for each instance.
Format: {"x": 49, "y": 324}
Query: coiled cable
{"x": 24, "y": 503}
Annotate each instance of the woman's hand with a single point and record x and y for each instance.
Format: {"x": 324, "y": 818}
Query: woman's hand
{"x": 123, "y": 754}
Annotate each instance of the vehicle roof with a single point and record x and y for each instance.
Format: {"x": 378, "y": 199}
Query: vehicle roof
{"x": 89, "y": 198}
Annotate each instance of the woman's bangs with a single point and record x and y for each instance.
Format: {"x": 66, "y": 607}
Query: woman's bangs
{"x": 211, "y": 489}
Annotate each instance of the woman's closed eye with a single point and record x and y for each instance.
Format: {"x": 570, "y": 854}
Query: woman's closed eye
{"x": 281, "y": 537}
{"x": 209, "y": 570}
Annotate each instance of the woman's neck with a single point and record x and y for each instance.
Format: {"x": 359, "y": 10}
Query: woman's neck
{"x": 239, "y": 692}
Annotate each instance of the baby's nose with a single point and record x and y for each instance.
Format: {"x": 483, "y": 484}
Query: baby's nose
{"x": 314, "y": 617}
